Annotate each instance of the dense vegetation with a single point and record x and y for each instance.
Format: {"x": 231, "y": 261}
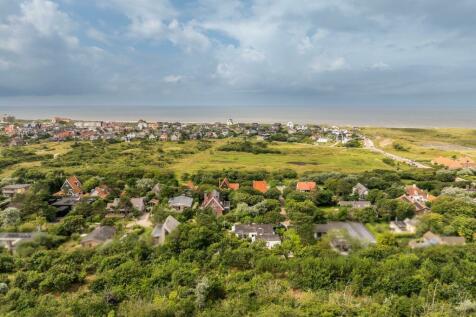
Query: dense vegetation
{"x": 204, "y": 270}
{"x": 247, "y": 146}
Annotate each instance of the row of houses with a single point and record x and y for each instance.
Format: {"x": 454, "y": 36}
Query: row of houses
{"x": 72, "y": 193}
{"x": 63, "y": 129}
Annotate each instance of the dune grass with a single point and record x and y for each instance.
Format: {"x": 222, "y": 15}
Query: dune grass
{"x": 425, "y": 144}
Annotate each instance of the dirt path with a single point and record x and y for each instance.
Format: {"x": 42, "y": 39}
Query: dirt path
{"x": 369, "y": 144}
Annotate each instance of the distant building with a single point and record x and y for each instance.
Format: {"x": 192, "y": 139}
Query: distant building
{"x": 261, "y": 186}
{"x": 98, "y": 236}
{"x": 225, "y": 184}
{"x": 257, "y": 232}
{"x": 15, "y": 189}
{"x": 420, "y": 207}
{"x": 88, "y": 124}
{"x": 430, "y": 239}
{"x": 162, "y": 230}
{"x": 405, "y": 226}
{"x": 71, "y": 187}
{"x": 138, "y": 204}
{"x": 181, "y": 202}
{"x": 101, "y": 192}
{"x": 417, "y": 194}
{"x": 229, "y": 122}
{"x": 214, "y": 201}
{"x": 64, "y": 205}
{"x": 361, "y": 191}
{"x": 10, "y": 240}
{"x": 306, "y": 186}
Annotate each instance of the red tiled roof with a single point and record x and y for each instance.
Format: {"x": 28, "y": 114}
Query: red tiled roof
{"x": 226, "y": 184}
{"x": 75, "y": 184}
{"x": 234, "y": 186}
{"x": 413, "y": 190}
{"x": 260, "y": 186}
{"x": 102, "y": 191}
{"x": 306, "y": 186}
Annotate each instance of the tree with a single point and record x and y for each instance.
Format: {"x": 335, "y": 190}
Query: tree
{"x": 10, "y": 217}
{"x": 70, "y": 225}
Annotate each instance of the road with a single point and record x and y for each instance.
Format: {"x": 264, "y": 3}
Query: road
{"x": 369, "y": 144}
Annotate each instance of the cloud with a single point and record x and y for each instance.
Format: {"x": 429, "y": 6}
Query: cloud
{"x": 172, "y": 79}
{"x": 326, "y": 64}
{"x": 380, "y": 66}
{"x": 42, "y": 54}
{"x": 329, "y": 51}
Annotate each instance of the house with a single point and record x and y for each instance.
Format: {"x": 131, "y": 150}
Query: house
{"x": 417, "y": 197}
{"x": 138, "y": 204}
{"x": 142, "y": 125}
{"x": 98, "y": 236}
{"x": 361, "y": 191}
{"x": 15, "y": 189}
{"x": 162, "y": 230}
{"x": 71, "y": 187}
{"x": 260, "y": 186}
{"x": 355, "y": 230}
{"x": 430, "y": 239}
{"x": 225, "y": 184}
{"x": 10, "y": 240}
{"x": 417, "y": 194}
{"x": 181, "y": 202}
{"x": 405, "y": 226}
{"x": 64, "y": 205}
{"x": 214, "y": 201}
{"x": 257, "y": 232}
{"x": 355, "y": 204}
{"x": 454, "y": 164}
{"x": 101, "y": 192}
{"x": 305, "y": 186}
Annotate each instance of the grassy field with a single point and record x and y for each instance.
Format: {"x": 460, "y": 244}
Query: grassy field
{"x": 425, "y": 144}
{"x": 300, "y": 157}
{"x": 420, "y": 144}
{"x": 45, "y": 148}
{"x": 187, "y": 158}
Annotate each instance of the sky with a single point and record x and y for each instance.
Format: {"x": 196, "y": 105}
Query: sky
{"x": 384, "y": 53}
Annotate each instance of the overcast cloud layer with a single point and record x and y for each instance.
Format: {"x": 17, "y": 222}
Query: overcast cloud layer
{"x": 261, "y": 52}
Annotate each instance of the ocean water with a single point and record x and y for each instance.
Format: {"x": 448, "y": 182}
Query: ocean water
{"x": 335, "y": 115}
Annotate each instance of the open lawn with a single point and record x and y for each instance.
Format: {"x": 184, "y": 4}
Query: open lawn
{"x": 424, "y": 144}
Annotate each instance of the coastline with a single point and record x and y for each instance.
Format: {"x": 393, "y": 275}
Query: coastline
{"x": 371, "y": 116}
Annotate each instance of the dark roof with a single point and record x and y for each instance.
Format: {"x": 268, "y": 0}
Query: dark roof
{"x": 181, "y": 200}
{"x": 101, "y": 233}
{"x": 65, "y": 201}
{"x": 16, "y": 186}
{"x": 17, "y": 235}
{"x": 242, "y": 229}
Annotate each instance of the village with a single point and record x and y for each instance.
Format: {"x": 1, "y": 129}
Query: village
{"x": 22, "y": 132}
{"x": 91, "y": 208}
{"x": 137, "y": 210}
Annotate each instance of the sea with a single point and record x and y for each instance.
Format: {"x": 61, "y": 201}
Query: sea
{"x": 418, "y": 116}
